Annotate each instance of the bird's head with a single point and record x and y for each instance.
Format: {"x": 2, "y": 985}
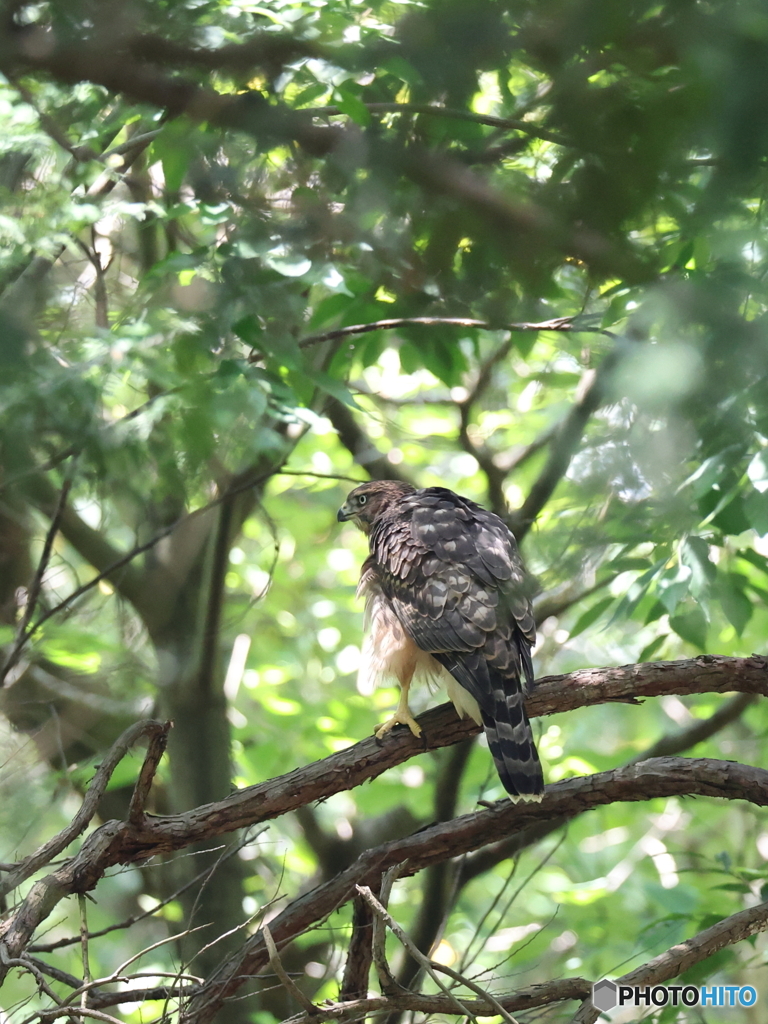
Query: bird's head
{"x": 368, "y": 501}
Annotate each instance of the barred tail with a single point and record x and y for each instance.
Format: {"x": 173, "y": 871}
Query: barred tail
{"x": 511, "y": 743}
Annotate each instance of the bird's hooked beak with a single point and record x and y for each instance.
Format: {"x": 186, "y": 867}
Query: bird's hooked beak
{"x": 344, "y": 513}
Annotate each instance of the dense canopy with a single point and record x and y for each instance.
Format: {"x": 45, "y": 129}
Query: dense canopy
{"x": 254, "y": 253}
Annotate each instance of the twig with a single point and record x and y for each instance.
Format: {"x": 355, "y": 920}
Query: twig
{"x": 84, "y": 990}
{"x": 76, "y": 1011}
{"x": 129, "y": 556}
{"x": 697, "y": 732}
{"x": 358, "y": 443}
{"x": 527, "y": 998}
{"x": 277, "y": 966}
{"x": 158, "y": 739}
{"x": 119, "y": 842}
{"x": 510, "y": 123}
{"x": 357, "y": 967}
{"x": 368, "y": 759}
{"x": 667, "y": 746}
{"x": 45, "y": 854}
{"x": 84, "y": 951}
{"x": 387, "y": 981}
{"x": 51, "y": 127}
{"x": 25, "y": 963}
{"x": 50, "y": 947}
{"x": 564, "y": 444}
{"x": 494, "y": 474}
{"x": 562, "y": 323}
{"x": 142, "y": 141}
{"x": 320, "y": 476}
{"x": 24, "y": 632}
{"x": 430, "y": 966}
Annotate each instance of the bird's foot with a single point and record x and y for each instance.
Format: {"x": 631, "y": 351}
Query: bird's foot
{"x": 400, "y": 717}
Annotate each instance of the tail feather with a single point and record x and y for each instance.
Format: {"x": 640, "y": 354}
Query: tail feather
{"x": 511, "y": 744}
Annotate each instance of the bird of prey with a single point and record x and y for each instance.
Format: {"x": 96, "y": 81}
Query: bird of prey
{"x": 447, "y": 600}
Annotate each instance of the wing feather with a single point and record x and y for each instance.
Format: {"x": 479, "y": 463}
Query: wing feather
{"x": 455, "y": 581}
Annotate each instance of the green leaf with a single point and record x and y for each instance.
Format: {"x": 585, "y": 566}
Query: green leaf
{"x": 400, "y": 68}
{"x": 757, "y": 471}
{"x": 329, "y": 308}
{"x": 650, "y": 649}
{"x": 332, "y": 386}
{"x": 590, "y": 615}
{"x": 733, "y": 518}
{"x": 736, "y": 605}
{"x": 673, "y": 593}
{"x": 711, "y": 471}
{"x": 637, "y": 591}
{"x": 691, "y": 626}
{"x": 351, "y": 105}
{"x": 695, "y": 554}
{"x": 311, "y": 93}
{"x": 174, "y": 148}
{"x": 755, "y": 558}
{"x": 756, "y": 510}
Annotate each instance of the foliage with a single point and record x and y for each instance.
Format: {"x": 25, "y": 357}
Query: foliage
{"x": 198, "y": 198}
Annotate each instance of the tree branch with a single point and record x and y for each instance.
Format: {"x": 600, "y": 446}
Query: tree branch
{"x": 526, "y": 228}
{"x": 358, "y": 444}
{"x": 89, "y": 543}
{"x": 527, "y": 998}
{"x": 23, "y": 632}
{"x": 45, "y": 854}
{"x": 666, "y": 746}
{"x": 680, "y": 958}
{"x": 564, "y": 445}
{"x": 123, "y": 842}
{"x": 509, "y": 123}
{"x": 697, "y": 732}
{"x": 661, "y": 777}
{"x": 357, "y": 968}
{"x": 561, "y": 323}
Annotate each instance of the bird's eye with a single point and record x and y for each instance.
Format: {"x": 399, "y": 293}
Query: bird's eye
{"x": 361, "y": 499}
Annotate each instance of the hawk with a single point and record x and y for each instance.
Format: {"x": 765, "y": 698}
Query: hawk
{"x": 446, "y": 600}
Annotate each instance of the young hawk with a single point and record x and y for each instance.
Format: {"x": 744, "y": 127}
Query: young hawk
{"x": 446, "y": 599}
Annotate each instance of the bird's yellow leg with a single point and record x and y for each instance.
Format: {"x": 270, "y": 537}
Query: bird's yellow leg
{"x": 402, "y": 715}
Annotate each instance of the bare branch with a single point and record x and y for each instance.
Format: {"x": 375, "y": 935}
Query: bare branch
{"x": 494, "y": 475}
{"x": 673, "y": 743}
{"x": 661, "y": 777}
{"x": 354, "y": 984}
{"x": 561, "y": 323}
{"x": 697, "y": 732}
{"x": 24, "y": 632}
{"x": 527, "y": 998}
{"x": 429, "y": 966}
{"x": 158, "y": 740}
{"x": 120, "y": 842}
{"x": 510, "y": 123}
{"x": 564, "y": 445}
{"x": 277, "y": 966}
{"x": 45, "y": 854}
{"x": 358, "y": 444}
{"x": 117, "y": 568}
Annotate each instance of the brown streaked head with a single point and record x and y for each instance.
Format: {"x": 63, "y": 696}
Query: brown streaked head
{"x": 368, "y": 501}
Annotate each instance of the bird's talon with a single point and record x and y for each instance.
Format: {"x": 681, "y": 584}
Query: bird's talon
{"x": 399, "y": 719}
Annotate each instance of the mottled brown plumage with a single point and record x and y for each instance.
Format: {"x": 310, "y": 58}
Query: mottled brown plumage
{"x": 446, "y": 599}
